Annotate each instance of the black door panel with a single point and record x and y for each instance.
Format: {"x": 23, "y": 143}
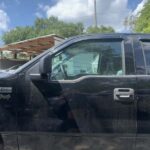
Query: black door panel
{"x": 90, "y": 104}
{"x": 143, "y": 85}
{"x": 143, "y": 104}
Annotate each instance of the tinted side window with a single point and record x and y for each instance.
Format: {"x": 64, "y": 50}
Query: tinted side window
{"x": 92, "y": 57}
{"x": 146, "y": 49}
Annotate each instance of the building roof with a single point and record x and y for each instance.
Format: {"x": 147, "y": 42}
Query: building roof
{"x": 34, "y": 45}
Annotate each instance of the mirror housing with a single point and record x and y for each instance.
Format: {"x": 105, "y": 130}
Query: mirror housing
{"x": 45, "y": 65}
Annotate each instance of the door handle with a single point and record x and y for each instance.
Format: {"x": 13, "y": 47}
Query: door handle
{"x": 124, "y": 94}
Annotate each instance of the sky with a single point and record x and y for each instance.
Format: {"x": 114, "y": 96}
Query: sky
{"x": 109, "y": 12}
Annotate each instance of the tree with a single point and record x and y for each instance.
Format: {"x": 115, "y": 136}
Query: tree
{"x": 142, "y": 21}
{"x": 129, "y": 22}
{"x": 101, "y": 29}
{"x": 42, "y": 27}
{"x": 18, "y": 34}
{"x": 55, "y": 26}
{"x": 45, "y": 26}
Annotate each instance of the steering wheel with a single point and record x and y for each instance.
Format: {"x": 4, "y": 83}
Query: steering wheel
{"x": 62, "y": 68}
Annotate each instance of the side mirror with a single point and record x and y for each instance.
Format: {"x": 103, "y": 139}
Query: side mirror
{"x": 45, "y": 66}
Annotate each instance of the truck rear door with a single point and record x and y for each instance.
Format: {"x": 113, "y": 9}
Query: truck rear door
{"x": 142, "y": 58}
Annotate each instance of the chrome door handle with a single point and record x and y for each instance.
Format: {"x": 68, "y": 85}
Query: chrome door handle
{"x": 123, "y": 94}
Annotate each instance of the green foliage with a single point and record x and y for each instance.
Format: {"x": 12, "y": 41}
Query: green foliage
{"x": 142, "y": 22}
{"x": 51, "y": 25}
{"x": 43, "y": 27}
{"x": 18, "y": 34}
{"x": 101, "y": 29}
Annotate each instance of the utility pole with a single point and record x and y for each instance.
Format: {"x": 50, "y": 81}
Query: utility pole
{"x": 95, "y": 14}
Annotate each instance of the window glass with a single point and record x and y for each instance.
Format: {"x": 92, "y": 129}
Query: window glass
{"x": 146, "y": 48}
{"x": 88, "y": 58}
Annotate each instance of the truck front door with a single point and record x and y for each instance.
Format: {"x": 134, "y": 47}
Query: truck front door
{"x": 89, "y": 95}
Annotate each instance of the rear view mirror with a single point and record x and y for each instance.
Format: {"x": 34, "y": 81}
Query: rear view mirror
{"x": 45, "y": 65}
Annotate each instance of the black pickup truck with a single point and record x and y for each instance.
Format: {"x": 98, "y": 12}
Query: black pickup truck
{"x": 91, "y": 92}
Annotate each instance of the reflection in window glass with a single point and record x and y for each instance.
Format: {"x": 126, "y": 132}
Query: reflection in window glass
{"x": 146, "y": 48}
{"x": 88, "y": 58}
